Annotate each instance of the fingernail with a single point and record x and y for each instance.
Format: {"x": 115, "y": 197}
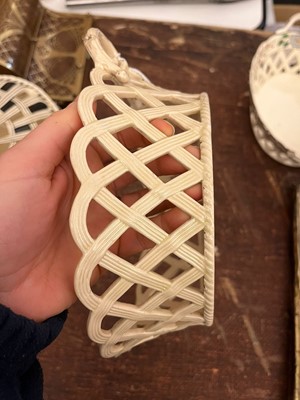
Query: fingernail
{"x": 171, "y": 132}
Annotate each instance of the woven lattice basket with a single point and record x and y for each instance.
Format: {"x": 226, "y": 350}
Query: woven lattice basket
{"x": 23, "y": 106}
{"x": 275, "y": 92}
{"x": 170, "y": 286}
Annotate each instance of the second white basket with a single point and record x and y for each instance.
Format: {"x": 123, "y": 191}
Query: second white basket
{"x": 275, "y": 92}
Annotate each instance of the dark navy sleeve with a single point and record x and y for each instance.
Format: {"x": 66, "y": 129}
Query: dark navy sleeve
{"x": 21, "y": 339}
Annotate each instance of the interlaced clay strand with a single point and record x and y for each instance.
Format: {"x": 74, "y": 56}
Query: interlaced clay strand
{"x": 170, "y": 286}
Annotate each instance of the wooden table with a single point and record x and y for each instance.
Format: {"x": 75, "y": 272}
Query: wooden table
{"x": 247, "y": 354}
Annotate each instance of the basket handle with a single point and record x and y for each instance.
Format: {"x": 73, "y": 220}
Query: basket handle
{"x": 105, "y": 56}
{"x": 294, "y": 18}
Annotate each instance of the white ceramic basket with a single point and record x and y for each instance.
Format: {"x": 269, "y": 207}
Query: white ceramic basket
{"x": 170, "y": 286}
{"x": 23, "y": 106}
{"x": 275, "y": 93}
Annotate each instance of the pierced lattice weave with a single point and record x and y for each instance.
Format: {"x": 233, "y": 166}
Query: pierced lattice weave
{"x": 23, "y": 106}
{"x": 170, "y": 286}
{"x": 280, "y": 54}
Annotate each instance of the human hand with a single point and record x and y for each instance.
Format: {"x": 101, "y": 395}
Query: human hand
{"x": 38, "y": 256}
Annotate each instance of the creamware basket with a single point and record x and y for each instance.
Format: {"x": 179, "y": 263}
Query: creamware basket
{"x": 275, "y": 93}
{"x": 23, "y": 106}
{"x": 170, "y": 286}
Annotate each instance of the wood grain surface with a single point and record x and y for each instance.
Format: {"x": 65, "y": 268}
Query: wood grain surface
{"x": 247, "y": 354}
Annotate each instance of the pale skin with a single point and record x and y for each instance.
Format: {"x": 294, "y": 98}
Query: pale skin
{"x": 38, "y": 256}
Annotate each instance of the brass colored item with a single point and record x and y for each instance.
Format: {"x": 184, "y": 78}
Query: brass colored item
{"x": 43, "y": 46}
